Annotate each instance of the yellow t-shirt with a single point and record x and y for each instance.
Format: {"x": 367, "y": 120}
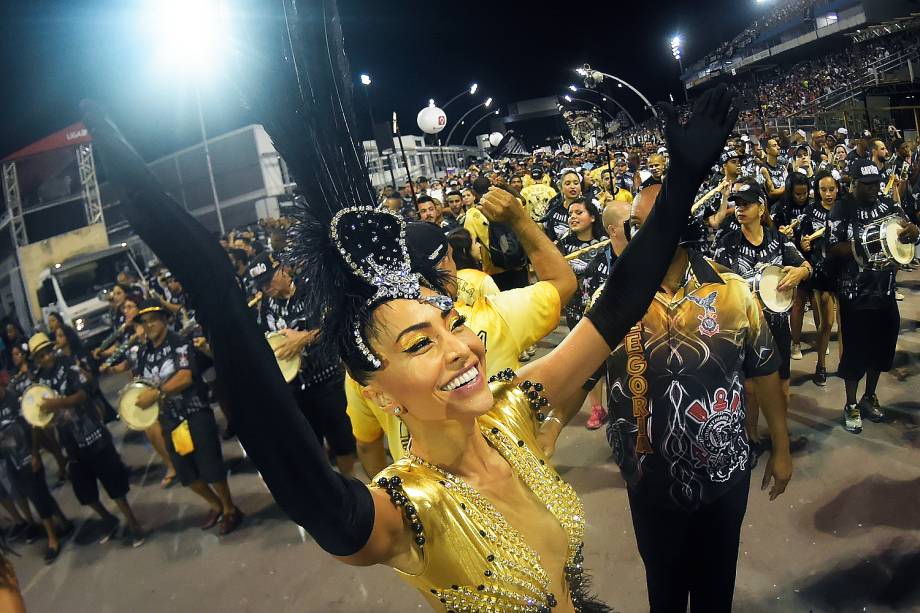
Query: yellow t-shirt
{"x": 507, "y": 323}
{"x": 473, "y": 284}
{"x": 544, "y": 180}
{"x": 537, "y": 197}
{"x": 622, "y": 195}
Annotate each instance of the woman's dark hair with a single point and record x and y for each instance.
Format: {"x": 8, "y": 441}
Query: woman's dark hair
{"x": 597, "y": 226}
{"x": 816, "y": 187}
{"x": 57, "y": 316}
{"x": 462, "y": 244}
{"x": 795, "y": 179}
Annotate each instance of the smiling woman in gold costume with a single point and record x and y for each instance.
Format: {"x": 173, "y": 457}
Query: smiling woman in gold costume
{"x": 473, "y": 516}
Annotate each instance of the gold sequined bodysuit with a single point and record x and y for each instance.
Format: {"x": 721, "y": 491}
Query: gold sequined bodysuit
{"x": 472, "y": 558}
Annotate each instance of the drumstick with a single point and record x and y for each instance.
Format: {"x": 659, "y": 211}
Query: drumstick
{"x": 256, "y": 300}
{"x": 718, "y": 188}
{"x": 815, "y": 234}
{"x": 596, "y": 245}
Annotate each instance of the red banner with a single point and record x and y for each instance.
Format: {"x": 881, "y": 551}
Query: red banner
{"x": 71, "y": 135}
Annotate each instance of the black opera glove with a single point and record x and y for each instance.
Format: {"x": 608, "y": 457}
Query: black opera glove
{"x": 694, "y": 147}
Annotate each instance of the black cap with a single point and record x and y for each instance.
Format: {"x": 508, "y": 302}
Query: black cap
{"x": 426, "y": 243}
{"x": 536, "y": 172}
{"x": 262, "y": 268}
{"x": 421, "y": 179}
{"x": 864, "y": 171}
{"x": 749, "y": 193}
{"x": 730, "y": 154}
{"x": 152, "y": 305}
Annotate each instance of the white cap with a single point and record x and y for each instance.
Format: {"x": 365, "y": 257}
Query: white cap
{"x": 842, "y": 131}
{"x": 801, "y": 133}
{"x": 745, "y": 137}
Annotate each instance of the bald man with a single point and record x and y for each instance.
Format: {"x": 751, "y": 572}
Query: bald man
{"x": 676, "y": 401}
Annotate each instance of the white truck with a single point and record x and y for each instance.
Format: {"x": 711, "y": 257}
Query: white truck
{"x": 77, "y": 287}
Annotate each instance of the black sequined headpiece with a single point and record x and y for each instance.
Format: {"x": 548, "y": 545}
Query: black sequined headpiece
{"x": 349, "y": 254}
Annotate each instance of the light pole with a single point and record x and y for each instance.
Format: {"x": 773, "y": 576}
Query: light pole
{"x": 189, "y": 35}
{"x": 366, "y": 84}
{"x": 476, "y": 123}
{"x": 574, "y": 89}
{"x": 471, "y": 90}
{"x": 485, "y": 104}
{"x": 593, "y": 77}
{"x": 676, "y": 43}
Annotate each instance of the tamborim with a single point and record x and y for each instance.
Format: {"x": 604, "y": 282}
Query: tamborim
{"x": 764, "y": 285}
{"x": 135, "y": 417}
{"x": 880, "y": 245}
{"x": 30, "y": 405}
{"x": 289, "y": 368}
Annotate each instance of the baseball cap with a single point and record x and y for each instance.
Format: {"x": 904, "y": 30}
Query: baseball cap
{"x": 731, "y": 154}
{"x": 262, "y": 268}
{"x": 426, "y": 243}
{"x": 864, "y": 171}
{"x": 748, "y": 194}
{"x": 536, "y": 173}
{"x": 842, "y": 131}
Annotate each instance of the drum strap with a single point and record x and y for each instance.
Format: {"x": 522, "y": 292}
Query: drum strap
{"x": 636, "y": 365}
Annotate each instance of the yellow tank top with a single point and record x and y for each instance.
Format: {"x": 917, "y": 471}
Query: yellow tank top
{"x": 472, "y": 558}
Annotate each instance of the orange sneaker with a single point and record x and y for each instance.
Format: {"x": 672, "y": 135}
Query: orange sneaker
{"x": 598, "y": 416}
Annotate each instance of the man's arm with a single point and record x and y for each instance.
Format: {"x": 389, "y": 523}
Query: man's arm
{"x": 500, "y": 206}
{"x": 65, "y": 402}
{"x": 773, "y": 406}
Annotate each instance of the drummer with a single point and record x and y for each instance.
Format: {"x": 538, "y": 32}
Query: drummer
{"x": 166, "y": 362}
{"x": 869, "y": 318}
{"x": 91, "y": 454}
{"x": 19, "y": 453}
{"x": 745, "y": 251}
{"x": 320, "y": 385}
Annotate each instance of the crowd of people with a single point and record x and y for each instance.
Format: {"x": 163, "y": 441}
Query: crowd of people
{"x": 654, "y": 254}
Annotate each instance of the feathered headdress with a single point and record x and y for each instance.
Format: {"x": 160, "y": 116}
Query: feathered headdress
{"x": 350, "y": 254}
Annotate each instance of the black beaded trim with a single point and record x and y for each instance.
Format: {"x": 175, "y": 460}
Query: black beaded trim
{"x": 394, "y": 489}
{"x": 538, "y": 402}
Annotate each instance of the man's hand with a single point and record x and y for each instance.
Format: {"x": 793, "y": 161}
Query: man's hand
{"x": 501, "y": 206}
{"x": 104, "y": 369}
{"x": 147, "y": 398}
{"x": 787, "y": 231}
{"x": 806, "y": 244}
{"x": 909, "y": 233}
{"x": 793, "y": 275}
{"x": 779, "y": 468}
{"x": 295, "y": 342}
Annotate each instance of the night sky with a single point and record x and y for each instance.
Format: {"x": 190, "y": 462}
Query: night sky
{"x": 55, "y": 53}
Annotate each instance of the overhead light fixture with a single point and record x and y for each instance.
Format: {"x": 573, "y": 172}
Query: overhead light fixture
{"x": 474, "y": 88}
{"x": 365, "y": 79}
{"x": 488, "y": 103}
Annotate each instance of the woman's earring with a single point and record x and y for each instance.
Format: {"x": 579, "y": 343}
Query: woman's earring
{"x": 397, "y": 411}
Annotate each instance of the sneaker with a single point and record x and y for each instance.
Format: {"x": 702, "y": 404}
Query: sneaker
{"x": 109, "y": 532}
{"x": 532, "y": 350}
{"x": 134, "y": 538}
{"x": 871, "y": 409}
{"x": 231, "y": 522}
{"x": 598, "y": 415}
{"x": 852, "y": 420}
{"x": 820, "y": 377}
{"x": 898, "y": 296}
{"x": 524, "y": 357}
{"x": 52, "y": 554}
{"x": 796, "y": 351}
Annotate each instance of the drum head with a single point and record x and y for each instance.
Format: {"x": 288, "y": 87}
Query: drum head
{"x": 900, "y": 252}
{"x": 31, "y": 401}
{"x": 135, "y": 417}
{"x": 289, "y": 368}
{"x": 773, "y": 299}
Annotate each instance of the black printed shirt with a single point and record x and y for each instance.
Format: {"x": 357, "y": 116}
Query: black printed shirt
{"x": 556, "y": 220}
{"x": 79, "y": 427}
{"x": 159, "y": 364}
{"x": 745, "y": 259}
{"x": 699, "y": 346}
{"x": 864, "y": 287}
{"x": 813, "y": 219}
{"x": 15, "y": 432}
{"x": 570, "y": 244}
{"x": 596, "y": 274}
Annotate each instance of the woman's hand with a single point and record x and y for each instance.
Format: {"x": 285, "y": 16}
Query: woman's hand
{"x": 147, "y": 398}
{"x": 806, "y": 244}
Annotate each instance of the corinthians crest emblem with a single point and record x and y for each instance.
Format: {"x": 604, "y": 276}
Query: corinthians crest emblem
{"x": 709, "y": 324}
